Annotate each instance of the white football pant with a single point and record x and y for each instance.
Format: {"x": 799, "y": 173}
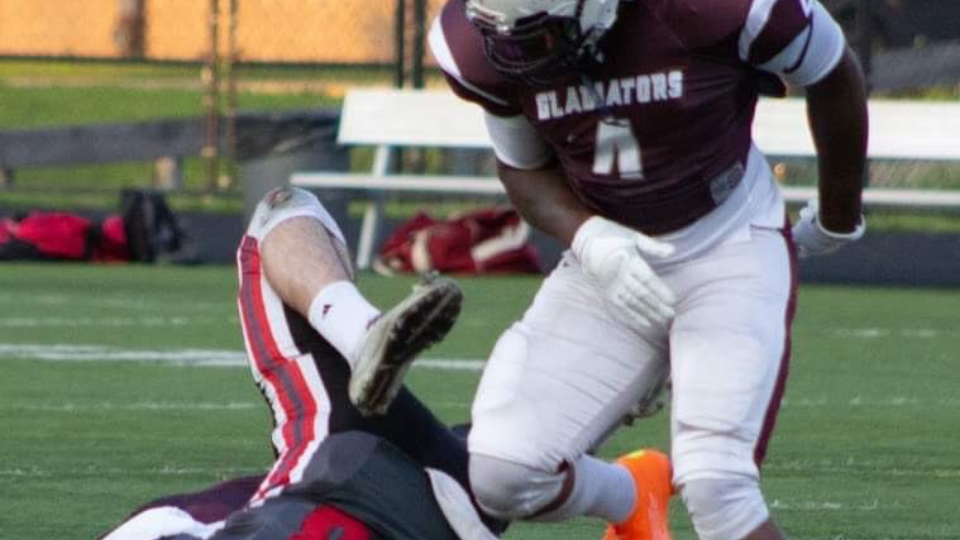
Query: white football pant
{"x": 566, "y": 374}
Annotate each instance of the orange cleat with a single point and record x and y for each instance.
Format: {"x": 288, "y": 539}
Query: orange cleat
{"x": 651, "y": 473}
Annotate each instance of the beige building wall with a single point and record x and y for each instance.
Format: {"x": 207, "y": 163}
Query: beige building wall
{"x": 347, "y": 31}
{"x": 177, "y": 29}
{"x": 58, "y": 27}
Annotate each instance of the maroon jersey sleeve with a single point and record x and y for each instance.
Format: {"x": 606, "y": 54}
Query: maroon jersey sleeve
{"x": 760, "y": 28}
{"x": 458, "y": 49}
{"x": 770, "y": 27}
{"x": 702, "y": 24}
{"x": 796, "y": 39}
{"x": 800, "y": 42}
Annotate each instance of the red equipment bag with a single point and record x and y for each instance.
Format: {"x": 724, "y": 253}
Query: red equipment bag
{"x": 494, "y": 240}
{"x": 62, "y": 236}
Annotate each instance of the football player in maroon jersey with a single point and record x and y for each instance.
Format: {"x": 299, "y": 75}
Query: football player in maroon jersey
{"x": 623, "y": 129}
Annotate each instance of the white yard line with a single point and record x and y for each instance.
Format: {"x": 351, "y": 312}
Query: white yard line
{"x": 17, "y": 472}
{"x": 874, "y": 333}
{"x": 179, "y": 357}
{"x": 223, "y": 472}
{"x": 238, "y": 359}
{"x": 859, "y": 401}
{"x": 851, "y": 465}
{"x": 821, "y": 506}
{"x": 74, "y": 322}
{"x": 137, "y": 406}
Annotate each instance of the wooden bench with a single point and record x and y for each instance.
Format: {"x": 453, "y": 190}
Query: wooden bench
{"x": 165, "y": 142}
{"x": 386, "y": 119}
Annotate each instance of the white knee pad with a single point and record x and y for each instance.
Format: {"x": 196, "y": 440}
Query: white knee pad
{"x": 508, "y": 490}
{"x": 283, "y": 203}
{"x": 725, "y": 509}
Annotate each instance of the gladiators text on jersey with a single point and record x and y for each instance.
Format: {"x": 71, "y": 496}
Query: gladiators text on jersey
{"x": 645, "y": 88}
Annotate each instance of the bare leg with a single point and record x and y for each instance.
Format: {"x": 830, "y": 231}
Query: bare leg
{"x": 300, "y": 258}
{"x": 306, "y": 262}
{"x": 310, "y": 270}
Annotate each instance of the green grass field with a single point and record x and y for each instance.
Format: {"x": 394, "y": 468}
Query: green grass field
{"x": 106, "y": 403}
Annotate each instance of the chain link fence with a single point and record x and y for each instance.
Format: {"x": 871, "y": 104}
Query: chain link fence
{"x": 318, "y": 48}
{"x": 366, "y": 33}
{"x": 906, "y": 46}
{"x": 294, "y": 31}
{"x": 99, "y": 61}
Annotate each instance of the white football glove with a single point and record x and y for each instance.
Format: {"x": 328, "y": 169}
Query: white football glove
{"x": 613, "y": 255}
{"x": 813, "y": 240}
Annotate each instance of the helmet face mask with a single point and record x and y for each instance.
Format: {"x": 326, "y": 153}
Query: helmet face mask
{"x": 541, "y": 41}
{"x": 540, "y": 52}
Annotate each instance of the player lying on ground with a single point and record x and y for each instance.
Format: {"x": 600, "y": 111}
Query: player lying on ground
{"x": 357, "y": 483}
{"x": 328, "y": 362}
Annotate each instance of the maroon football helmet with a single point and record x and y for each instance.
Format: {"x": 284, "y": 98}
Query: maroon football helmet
{"x": 540, "y": 41}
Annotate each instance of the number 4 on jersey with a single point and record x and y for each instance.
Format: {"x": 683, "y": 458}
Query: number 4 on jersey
{"x": 617, "y": 145}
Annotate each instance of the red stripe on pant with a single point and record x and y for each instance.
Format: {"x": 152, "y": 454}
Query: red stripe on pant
{"x": 773, "y": 410}
{"x": 281, "y": 373}
{"x": 280, "y": 474}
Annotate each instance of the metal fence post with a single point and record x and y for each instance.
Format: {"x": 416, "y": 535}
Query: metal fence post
{"x": 865, "y": 38}
{"x": 399, "y": 44}
{"x": 129, "y": 33}
{"x": 6, "y": 177}
{"x": 419, "y": 34}
{"x": 232, "y": 104}
{"x": 211, "y": 100}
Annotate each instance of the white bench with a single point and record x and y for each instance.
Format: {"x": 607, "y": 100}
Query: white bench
{"x": 386, "y": 118}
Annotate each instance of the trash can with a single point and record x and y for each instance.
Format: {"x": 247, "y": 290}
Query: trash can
{"x": 271, "y": 147}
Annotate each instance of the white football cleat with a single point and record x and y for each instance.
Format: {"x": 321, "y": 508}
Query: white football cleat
{"x": 396, "y": 338}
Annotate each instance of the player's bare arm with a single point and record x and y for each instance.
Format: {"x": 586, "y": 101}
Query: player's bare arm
{"x": 544, "y": 199}
{"x": 837, "y": 109}
{"x": 612, "y": 254}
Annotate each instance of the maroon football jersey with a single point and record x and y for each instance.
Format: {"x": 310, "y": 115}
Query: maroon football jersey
{"x": 663, "y": 135}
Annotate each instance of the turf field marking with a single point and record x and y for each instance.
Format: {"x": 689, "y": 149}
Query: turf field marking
{"x": 861, "y": 401}
{"x": 874, "y": 333}
{"x": 451, "y": 364}
{"x": 187, "y": 471}
{"x": 51, "y": 299}
{"x": 828, "y": 506}
{"x": 73, "y": 322}
{"x": 179, "y": 357}
{"x": 123, "y": 302}
{"x": 855, "y": 466}
{"x": 17, "y": 472}
{"x": 91, "y": 353}
{"x": 138, "y": 406}
{"x": 169, "y": 470}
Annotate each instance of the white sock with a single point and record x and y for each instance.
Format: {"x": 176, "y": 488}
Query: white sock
{"x": 601, "y": 489}
{"x": 341, "y": 314}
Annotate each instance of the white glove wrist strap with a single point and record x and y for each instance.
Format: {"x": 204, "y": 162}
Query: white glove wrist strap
{"x": 856, "y": 234}
{"x": 585, "y": 232}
